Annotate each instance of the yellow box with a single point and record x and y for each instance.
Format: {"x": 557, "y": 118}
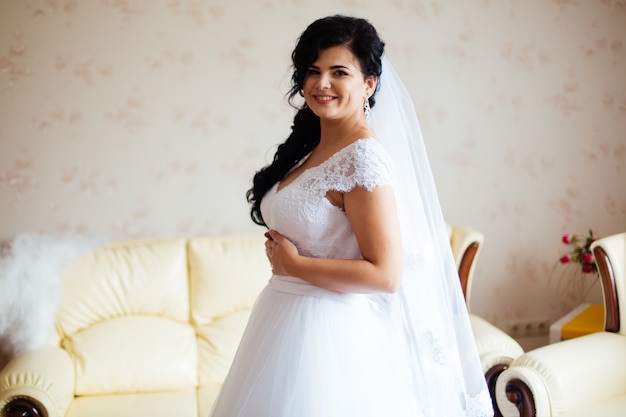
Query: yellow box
{"x": 584, "y": 319}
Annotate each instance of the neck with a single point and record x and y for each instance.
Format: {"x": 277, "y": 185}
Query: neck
{"x": 336, "y": 131}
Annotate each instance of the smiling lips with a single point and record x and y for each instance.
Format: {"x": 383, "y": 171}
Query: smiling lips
{"x": 324, "y": 99}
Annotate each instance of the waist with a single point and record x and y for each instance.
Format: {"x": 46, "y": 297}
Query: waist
{"x": 293, "y": 285}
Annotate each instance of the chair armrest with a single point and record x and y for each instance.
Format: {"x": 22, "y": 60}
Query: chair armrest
{"x": 37, "y": 382}
{"x": 494, "y": 346}
{"x": 554, "y": 379}
{"x": 496, "y": 350}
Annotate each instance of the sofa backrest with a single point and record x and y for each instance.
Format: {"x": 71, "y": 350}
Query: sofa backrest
{"x": 159, "y": 314}
{"x": 227, "y": 273}
{"x": 124, "y": 318}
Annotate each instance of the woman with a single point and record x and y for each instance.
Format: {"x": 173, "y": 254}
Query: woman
{"x": 363, "y": 314}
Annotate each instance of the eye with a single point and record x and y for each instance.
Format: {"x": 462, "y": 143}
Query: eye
{"x": 340, "y": 73}
{"x": 312, "y": 71}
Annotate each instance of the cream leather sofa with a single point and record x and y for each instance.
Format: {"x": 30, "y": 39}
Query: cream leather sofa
{"x": 581, "y": 377}
{"x": 145, "y": 328}
{"x": 150, "y": 328}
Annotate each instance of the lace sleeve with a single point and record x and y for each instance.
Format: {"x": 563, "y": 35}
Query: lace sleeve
{"x": 365, "y": 163}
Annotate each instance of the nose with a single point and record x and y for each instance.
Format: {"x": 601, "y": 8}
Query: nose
{"x": 323, "y": 82}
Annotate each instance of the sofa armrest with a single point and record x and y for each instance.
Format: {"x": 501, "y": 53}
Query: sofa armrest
{"x": 554, "y": 379}
{"x": 39, "y": 382}
{"x": 496, "y": 350}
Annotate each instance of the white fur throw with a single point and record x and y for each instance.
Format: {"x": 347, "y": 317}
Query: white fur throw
{"x": 31, "y": 266}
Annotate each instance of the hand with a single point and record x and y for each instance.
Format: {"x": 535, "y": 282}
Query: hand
{"x": 281, "y": 252}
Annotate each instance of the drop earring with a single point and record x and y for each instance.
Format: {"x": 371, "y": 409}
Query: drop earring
{"x": 367, "y": 111}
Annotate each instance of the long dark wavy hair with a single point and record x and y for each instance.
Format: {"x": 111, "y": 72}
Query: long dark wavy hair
{"x": 363, "y": 41}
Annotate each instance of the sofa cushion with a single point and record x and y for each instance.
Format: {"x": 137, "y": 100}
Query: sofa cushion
{"x": 612, "y": 407}
{"x": 206, "y": 398}
{"x": 127, "y": 278}
{"x": 226, "y": 275}
{"x": 217, "y": 344}
{"x": 134, "y": 354}
{"x": 162, "y": 404}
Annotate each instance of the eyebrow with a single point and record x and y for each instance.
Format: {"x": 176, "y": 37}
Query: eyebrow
{"x": 332, "y": 67}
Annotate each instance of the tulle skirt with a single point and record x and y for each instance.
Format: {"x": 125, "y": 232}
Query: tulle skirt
{"x": 308, "y": 352}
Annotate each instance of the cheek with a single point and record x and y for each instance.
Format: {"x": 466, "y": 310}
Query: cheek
{"x": 306, "y": 88}
{"x": 306, "y": 92}
{"x": 357, "y": 95}
{"x": 308, "y": 83}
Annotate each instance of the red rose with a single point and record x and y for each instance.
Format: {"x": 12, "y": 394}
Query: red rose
{"x": 587, "y": 258}
{"x": 565, "y": 259}
{"x": 567, "y": 239}
{"x": 587, "y": 268}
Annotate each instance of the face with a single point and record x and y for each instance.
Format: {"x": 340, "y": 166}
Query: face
{"x": 334, "y": 87}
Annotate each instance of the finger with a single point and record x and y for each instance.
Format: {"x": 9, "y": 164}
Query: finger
{"x": 275, "y": 236}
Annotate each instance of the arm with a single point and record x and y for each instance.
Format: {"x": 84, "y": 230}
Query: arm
{"x": 37, "y": 382}
{"x": 373, "y": 217}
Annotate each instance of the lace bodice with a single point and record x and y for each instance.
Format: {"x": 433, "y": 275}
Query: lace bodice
{"x": 302, "y": 213}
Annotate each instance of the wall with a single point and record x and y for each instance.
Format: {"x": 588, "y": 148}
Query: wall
{"x": 147, "y": 118}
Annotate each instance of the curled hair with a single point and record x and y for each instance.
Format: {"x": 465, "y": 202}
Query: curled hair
{"x": 361, "y": 38}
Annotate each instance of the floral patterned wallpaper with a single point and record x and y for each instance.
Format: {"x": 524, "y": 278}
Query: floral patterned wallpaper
{"x": 141, "y": 118}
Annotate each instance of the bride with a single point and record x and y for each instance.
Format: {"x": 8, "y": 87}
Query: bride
{"x": 363, "y": 315}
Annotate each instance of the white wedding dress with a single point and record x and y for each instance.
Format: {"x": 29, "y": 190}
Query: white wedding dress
{"x": 310, "y": 352}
